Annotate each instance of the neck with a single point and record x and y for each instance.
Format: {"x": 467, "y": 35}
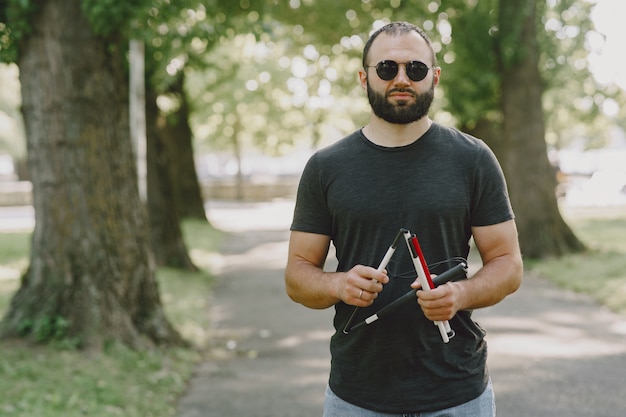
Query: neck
{"x": 387, "y": 134}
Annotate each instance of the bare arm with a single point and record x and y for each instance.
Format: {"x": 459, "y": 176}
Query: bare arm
{"x": 500, "y": 275}
{"x": 308, "y": 284}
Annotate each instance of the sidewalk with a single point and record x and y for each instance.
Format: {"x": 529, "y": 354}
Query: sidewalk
{"x": 552, "y": 353}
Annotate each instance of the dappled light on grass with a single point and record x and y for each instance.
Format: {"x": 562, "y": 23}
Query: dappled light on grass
{"x": 599, "y": 273}
{"x": 43, "y": 381}
{"x": 13, "y": 261}
{"x": 182, "y": 294}
{"x": 208, "y": 260}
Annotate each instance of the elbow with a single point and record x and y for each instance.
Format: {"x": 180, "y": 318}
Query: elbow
{"x": 294, "y": 290}
{"x": 292, "y": 293}
{"x": 290, "y": 289}
{"x": 517, "y": 274}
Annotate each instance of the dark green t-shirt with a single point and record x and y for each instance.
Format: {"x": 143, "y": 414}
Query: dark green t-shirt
{"x": 361, "y": 194}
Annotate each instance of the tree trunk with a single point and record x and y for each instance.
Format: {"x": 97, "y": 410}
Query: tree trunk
{"x": 90, "y": 264}
{"x": 531, "y": 178}
{"x": 167, "y": 239}
{"x": 178, "y": 139}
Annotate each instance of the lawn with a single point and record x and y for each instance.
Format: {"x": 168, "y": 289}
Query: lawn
{"x": 601, "y": 271}
{"x": 50, "y": 381}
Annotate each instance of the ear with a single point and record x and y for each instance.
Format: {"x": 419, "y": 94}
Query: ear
{"x": 363, "y": 78}
{"x": 436, "y": 75}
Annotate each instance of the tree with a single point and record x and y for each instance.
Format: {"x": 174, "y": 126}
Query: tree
{"x": 167, "y": 240}
{"x": 178, "y": 138}
{"x": 165, "y": 29}
{"x": 531, "y": 178}
{"x": 498, "y": 73}
{"x": 91, "y": 271}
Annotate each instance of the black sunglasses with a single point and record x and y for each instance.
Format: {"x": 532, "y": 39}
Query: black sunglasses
{"x": 387, "y": 70}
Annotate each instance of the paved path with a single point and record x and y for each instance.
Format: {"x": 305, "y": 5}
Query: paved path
{"x": 552, "y": 353}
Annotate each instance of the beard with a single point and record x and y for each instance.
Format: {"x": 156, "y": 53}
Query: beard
{"x": 402, "y": 112}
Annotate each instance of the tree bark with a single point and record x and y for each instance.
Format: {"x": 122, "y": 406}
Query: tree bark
{"x": 531, "y": 178}
{"x": 90, "y": 261}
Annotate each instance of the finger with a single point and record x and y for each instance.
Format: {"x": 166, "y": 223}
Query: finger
{"x": 360, "y": 274}
{"x": 376, "y": 275}
{"x": 364, "y": 298}
{"x": 435, "y": 294}
{"x": 358, "y": 296}
{"x": 416, "y": 285}
{"x": 373, "y": 287}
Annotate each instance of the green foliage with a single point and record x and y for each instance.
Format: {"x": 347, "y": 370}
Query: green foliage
{"x": 484, "y": 43}
{"x": 105, "y": 16}
{"x": 562, "y": 34}
{"x": 470, "y": 75}
{"x": 179, "y": 34}
{"x": 291, "y": 80}
{"x": 199, "y": 40}
{"x": 14, "y": 25}
{"x": 48, "y": 329}
{"x": 109, "y": 16}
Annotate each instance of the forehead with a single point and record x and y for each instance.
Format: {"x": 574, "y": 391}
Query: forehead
{"x": 400, "y": 47}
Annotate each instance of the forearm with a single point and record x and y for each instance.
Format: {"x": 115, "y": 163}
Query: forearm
{"x": 307, "y": 283}
{"x": 497, "y": 279}
{"x": 502, "y": 270}
{"x": 310, "y": 285}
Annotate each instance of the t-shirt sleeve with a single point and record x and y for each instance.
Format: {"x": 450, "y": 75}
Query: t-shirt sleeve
{"x": 490, "y": 202}
{"x": 311, "y": 211}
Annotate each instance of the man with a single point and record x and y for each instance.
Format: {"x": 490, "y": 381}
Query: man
{"x": 402, "y": 170}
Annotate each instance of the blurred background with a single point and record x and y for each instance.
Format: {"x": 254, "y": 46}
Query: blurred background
{"x": 279, "y": 81}
{"x": 161, "y": 138}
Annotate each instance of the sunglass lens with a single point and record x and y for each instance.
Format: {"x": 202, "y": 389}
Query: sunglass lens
{"x": 416, "y": 70}
{"x": 387, "y": 70}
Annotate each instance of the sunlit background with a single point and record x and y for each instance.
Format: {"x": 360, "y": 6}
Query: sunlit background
{"x": 595, "y": 173}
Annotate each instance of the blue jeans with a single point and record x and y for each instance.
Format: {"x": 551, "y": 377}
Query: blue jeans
{"x": 482, "y": 406}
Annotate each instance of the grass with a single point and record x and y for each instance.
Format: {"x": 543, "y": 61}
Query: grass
{"x": 48, "y": 381}
{"x": 44, "y": 381}
{"x": 600, "y": 272}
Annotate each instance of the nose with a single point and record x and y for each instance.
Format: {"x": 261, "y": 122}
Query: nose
{"x": 402, "y": 77}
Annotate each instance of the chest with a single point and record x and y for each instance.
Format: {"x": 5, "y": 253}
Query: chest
{"x": 420, "y": 188}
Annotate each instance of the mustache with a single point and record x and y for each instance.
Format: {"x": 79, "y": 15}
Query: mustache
{"x": 401, "y": 90}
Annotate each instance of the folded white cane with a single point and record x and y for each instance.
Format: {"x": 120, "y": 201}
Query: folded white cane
{"x": 423, "y": 275}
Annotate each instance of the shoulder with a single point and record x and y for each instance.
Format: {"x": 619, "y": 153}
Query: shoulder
{"x": 338, "y": 153}
{"x": 346, "y": 144}
{"x": 462, "y": 147}
{"x": 325, "y": 159}
{"x": 455, "y": 137}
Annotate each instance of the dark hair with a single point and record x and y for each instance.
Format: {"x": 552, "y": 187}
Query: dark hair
{"x": 397, "y": 28}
